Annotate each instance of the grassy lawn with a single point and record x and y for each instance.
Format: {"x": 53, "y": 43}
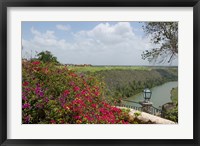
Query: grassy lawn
{"x": 102, "y": 68}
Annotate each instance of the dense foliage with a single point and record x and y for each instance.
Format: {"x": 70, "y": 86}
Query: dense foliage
{"x": 126, "y": 83}
{"x": 172, "y": 112}
{"x": 46, "y": 56}
{"x": 52, "y": 94}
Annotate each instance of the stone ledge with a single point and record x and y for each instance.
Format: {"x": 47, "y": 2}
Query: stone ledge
{"x": 146, "y": 118}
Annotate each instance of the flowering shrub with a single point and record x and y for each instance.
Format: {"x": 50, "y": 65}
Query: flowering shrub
{"x": 56, "y": 95}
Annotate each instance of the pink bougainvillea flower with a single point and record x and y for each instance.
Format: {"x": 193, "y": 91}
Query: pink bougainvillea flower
{"x": 94, "y": 105}
{"x": 24, "y": 98}
{"x": 25, "y": 83}
{"x": 26, "y": 105}
{"x": 83, "y": 92}
{"x": 66, "y": 92}
{"x": 76, "y": 88}
{"x": 73, "y": 75}
{"x": 77, "y": 95}
{"x": 36, "y": 62}
{"x": 77, "y": 117}
{"x": 53, "y": 122}
{"x": 97, "y": 93}
{"x": 41, "y": 94}
{"x": 71, "y": 83}
{"x": 27, "y": 119}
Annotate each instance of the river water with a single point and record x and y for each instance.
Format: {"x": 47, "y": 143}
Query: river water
{"x": 160, "y": 95}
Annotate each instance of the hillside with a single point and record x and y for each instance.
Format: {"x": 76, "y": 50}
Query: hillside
{"x": 126, "y": 81}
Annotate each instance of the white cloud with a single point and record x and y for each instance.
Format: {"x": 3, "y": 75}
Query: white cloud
{"x": 108, "y": 34}
{"x": 105, "y": 44}
{"x": 47, "y": 35}
{"x": 63, "y": 27}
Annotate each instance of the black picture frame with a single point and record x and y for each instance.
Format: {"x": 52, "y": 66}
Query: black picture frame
{"x": 4, "y": 4}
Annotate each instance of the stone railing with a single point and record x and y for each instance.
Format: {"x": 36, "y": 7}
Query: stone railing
{"x": 146, "y": 118}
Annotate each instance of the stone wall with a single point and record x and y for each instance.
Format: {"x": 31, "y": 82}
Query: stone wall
{"x": 145, "y": 118}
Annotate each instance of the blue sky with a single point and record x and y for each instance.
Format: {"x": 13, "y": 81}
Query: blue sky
{"x": 96, "y": 43}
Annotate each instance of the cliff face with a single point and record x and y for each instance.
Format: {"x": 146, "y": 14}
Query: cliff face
{"x": 145, "y": 118}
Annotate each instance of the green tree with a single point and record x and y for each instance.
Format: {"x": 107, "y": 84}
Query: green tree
{"x": 46, "y": 56}
{"x": 165, "y": 36}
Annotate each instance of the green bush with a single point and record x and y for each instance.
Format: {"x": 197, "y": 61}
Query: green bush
{"x": 172, "y": 114}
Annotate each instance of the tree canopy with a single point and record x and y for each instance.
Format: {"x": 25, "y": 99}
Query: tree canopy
{"x": 165, "y": 37}
{"x": 46, "y": 56}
